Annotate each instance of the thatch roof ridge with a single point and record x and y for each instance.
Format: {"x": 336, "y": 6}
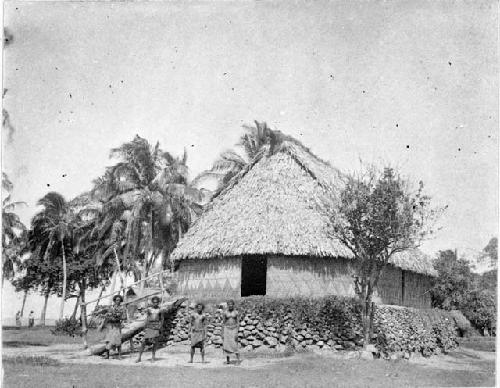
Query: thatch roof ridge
{"x": 271, "y": 208}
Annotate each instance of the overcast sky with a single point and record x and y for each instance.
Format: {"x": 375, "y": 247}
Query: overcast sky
{"x": 411, "y": 83}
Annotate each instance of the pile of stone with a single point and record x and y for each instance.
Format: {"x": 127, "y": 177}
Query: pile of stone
{"x": 309, "y": 325}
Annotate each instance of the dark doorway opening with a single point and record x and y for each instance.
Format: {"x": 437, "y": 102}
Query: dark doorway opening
{"x": 253, "y": 275}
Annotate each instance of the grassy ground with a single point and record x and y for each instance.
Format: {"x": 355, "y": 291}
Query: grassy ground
{"x": 485, "y": 344}
{"x": 41, "y": 336}
{"x": 303, "y": 370}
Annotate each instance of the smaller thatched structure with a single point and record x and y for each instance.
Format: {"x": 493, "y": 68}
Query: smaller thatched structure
{"x": 265, "y": 234}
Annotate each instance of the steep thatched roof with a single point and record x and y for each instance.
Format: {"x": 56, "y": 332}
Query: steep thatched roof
{"x": 272, "y": 208}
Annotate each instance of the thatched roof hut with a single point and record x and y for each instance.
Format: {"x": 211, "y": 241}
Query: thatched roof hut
{"x": 272, "y": 209}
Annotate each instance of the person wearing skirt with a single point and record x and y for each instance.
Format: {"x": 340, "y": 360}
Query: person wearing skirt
{"x": 198, "y": 332}
{"x": 153, "y": 327}
{"x": 113, "y": 318}
{"x": 231, "y": 324}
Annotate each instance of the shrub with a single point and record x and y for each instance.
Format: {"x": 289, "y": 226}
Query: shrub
{"x": 480, "y": 309}
{"x": 463, "y": 325}
{"x": 67, "y": 326}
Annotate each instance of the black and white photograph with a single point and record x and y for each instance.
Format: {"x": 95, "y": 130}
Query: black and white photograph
{"x": 249, "y": 193}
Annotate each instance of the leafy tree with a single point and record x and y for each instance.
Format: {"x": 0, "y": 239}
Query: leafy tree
{"x": 376, "y": 216}
{"x": 491, "y": 250}
{"x": 480, "y": 309}
{"x": 43, "y": 276}
{"x": 53, "y": 228}
{"x": 454, "y": 281}
{"x": 13, "y": 231}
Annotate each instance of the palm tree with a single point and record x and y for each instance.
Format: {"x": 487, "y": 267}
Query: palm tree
{"x": 54, "y": 225}
{"x": 147, "y": 204}
{"x": 256, "y": 142}
{"x": 13, "y": 231}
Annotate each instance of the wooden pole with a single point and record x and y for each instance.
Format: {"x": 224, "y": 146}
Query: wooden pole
{"x": 130, "y": 285}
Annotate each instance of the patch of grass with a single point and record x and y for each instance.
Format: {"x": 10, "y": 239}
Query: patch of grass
{"x": 22, "y": 344}
{"x": 32, "y": 360}
{"x": 42, "y": 336}
{"x": 485, "y": 344}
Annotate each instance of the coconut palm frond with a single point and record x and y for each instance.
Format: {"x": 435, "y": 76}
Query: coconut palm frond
{"x": 6, "y": 183}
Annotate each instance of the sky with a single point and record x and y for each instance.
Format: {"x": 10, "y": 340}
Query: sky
{"x": 411, "y": 84}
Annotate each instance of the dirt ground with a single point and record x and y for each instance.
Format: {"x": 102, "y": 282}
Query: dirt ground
{"x": 30, "y": 363}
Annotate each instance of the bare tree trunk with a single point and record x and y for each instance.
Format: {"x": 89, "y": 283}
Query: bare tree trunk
{"x": 61, "y": 311}
{"x": 99, "y": 298}
{"x": 24, "y": 302}
{"x": 44, "y": 309}
{"x": 113, "y": 284}
{"x": 367, "y": 312}
{"x": 77, "y": 303}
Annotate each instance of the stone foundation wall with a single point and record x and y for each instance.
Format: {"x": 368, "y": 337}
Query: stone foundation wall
{"x": 330, "y": 323}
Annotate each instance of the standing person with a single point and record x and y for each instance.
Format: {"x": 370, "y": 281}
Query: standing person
{"x": 132, "y": 308}
{"x": 113, "y": 318}
{"x": 18, "y": 320}
{"x": 31, "y": 319}
{"x": 231, "y": 324}
{"x": 198, "y": 331}
{"x": 153, "y": 326}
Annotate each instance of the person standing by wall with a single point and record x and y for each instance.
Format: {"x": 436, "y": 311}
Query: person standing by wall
{"x": 153, "y": 326}
{"x": 231, "y": 324}
{"x": 198, "y": 331}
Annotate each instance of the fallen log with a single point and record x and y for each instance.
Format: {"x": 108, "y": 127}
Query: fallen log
{"x": 136, "y": 327}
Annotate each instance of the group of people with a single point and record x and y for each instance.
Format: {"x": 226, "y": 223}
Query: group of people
{"x": 31, "y": 319}
{"x": 117, "y": 313}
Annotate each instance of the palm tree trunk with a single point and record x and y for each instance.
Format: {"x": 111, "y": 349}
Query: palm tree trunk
{"x": 83, "y": 313}
{"x": 24, "y": 302}
{"x": 119, "y": 269}
{"x": 61, "y": 311}
{"x": 44, "y": 309}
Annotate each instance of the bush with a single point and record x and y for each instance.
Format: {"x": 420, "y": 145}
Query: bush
{"x": 463, "y": 325}
{"x": 480, "y": 309}
{"x": 67, "y": 326}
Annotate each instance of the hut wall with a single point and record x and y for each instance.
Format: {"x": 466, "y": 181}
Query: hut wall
{"x": 305, "y": 276}
{"x": 417, "y": 288}
{"x": 300, "y": 276}
{"x": 389, "y": 288}
{"x": 207, "y": 278}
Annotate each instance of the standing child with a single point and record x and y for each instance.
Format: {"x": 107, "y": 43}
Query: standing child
{"x": 113, "y": 318}
{"x": 31, "y": 319}
{"x": 198, "y": 331}
{"x": 231, "y": 324}
{"x": 153, "y": 326}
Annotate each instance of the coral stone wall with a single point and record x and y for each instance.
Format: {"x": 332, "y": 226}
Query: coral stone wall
{"x": 330, "y": 323}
